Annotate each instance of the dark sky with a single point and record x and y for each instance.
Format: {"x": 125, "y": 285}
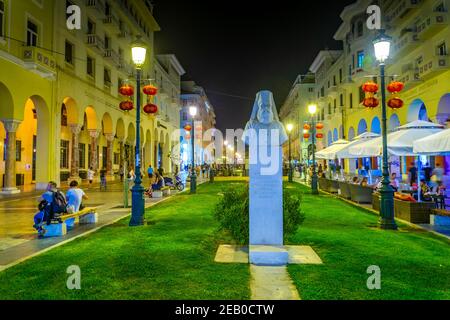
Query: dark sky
{"x": 234, "y": 48}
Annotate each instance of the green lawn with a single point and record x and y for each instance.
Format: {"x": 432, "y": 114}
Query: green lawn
{"x": 173, "y": 258}
{"x": 414, "y": 264}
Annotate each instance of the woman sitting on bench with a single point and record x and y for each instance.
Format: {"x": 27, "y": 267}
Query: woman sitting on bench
{"x": 156, "y": 184}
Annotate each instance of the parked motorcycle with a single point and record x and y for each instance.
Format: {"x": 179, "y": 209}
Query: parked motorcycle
{"x": 176, "y": 185}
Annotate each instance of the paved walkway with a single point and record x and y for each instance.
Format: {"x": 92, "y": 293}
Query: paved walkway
{"x": 18, "y": 239}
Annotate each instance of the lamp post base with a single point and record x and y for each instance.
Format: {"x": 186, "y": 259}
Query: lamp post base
{"x": 314, "y": 186}
{"x": 193, "y": 184}
{"x": 138, "y": 206}
{"x": 290, "y": 176}
{"x": 387, "y": 224}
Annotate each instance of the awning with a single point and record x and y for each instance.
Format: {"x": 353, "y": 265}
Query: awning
{"x": 434, "y": 145}
{"x": 400, "y": 142}
{"x": 330, "y": 152}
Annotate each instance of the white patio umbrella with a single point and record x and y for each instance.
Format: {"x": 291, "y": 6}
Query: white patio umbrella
{"x": 400, "y": 142}
{"x": 330, "y": 152}
{"x": 435, "y": 145}
{"x": 362, "y": 138}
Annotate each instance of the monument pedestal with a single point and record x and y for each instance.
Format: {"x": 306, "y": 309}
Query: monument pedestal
{"x": 268, "y": 256}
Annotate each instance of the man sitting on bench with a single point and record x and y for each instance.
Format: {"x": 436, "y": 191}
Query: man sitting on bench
{"x": 52, "y": 205}
{"x": 74, "y": 197}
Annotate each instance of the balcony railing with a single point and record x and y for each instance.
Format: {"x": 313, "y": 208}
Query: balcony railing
{"x": 333, "y": 91}
{"x": 434, "y": 66}
{"x": 406, "y": 43}
{"x": 96, "y": 6}
{"x": 95, "y": 42}
{"x": 125, "y": 68}
{"x": 113, "y": 57}
{"x": 40, "y": 61}
{"x": 112, "y": 23}
{"x": 402, "y": 8}
{"x": 432, "y": 24}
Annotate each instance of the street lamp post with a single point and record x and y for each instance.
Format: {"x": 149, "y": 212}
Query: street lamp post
{"x": 193, "y": 113}
{"x": 138, "y": 53}
{"x": 289, "y": 128}
{"x": 382, "y": 45}
{"x": 312, "y": 109}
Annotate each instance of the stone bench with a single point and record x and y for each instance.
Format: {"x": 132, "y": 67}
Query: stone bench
{"x": 157, "y": 194}
{"x": 85, "y": 216}
{"x": 440, "y": 217}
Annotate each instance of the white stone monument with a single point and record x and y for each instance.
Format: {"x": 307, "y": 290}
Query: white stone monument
{"x": 265, "y": 135}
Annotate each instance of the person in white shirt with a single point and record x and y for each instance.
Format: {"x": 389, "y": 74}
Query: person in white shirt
{"x": 90, "y": 176}
{"x": 75, "y": 197}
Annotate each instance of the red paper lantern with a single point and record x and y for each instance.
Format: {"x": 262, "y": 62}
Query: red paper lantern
{"x": 319, "y": 136}
{"x": 306, "y": 136}
{"x": 150, "y": 108}
{"x": 371, "y": 103}
{"x": 319, "y": 126}
{"x": 188, "y": 128}
{"x": 306, "y": 127}
{"x": 126, "y": 105}
{"x": 150, "y": 90}
{"x": 126, "y": 90}
{"x": 370, "y": 87}
{"x": 395, "y": 103}
{"x": 395, "y": 86}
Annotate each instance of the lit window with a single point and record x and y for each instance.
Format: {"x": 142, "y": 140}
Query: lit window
{"x": 32, "y": 34}
{"x": 69, "y": 53}
{"x": 360, "y": 59}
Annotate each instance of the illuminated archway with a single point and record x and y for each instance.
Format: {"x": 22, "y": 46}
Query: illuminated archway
{"x": 417, "y": 111}
{"x": 362, "y": 127}
{"x": 375, "y": 126}
{"x": 394, "y": 122}
{"x": 351, "y": 134}
{"x": 443, "y": 113}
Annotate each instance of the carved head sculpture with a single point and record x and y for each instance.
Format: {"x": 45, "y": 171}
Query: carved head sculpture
{"x": 264, "y": 109}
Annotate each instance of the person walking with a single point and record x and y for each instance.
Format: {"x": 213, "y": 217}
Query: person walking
{"x": 413, "y": 174}
{"x": 90, "y": 176}
{"x": 438, "y": 173}
{"x": 150, "y": 172}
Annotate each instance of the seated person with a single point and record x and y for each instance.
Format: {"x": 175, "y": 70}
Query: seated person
{"x": 425, "y": 192}
{"x": 158, "y": 183}
{"x": 394, "y": 182}
{"x": 364, "y": 182}
{"x": 52, "y": 204}
{"x": 441, "y": 189}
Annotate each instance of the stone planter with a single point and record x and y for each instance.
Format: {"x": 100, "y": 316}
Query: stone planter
{"x": 414, "y": 212}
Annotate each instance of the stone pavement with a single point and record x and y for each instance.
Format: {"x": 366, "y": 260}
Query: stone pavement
{"x": 18, "y": 239}
{"x": 269, "y": 283}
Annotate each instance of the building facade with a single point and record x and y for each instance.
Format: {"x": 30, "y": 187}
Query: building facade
{"x": 294, "y": 111}
{"x": 419, "y": 57}
{"x": 59, "y": 99}
{"x": 205, "y": 123}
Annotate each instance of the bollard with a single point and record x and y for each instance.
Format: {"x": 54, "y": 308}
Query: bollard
{"x": 212, "y": 173}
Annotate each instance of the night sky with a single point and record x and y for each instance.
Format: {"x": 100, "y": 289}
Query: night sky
{"x": 233, "y": 49}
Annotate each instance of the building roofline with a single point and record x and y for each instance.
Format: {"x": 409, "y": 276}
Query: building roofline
{"x": 175, "y": 62}
{"x": 320, "y": 59}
